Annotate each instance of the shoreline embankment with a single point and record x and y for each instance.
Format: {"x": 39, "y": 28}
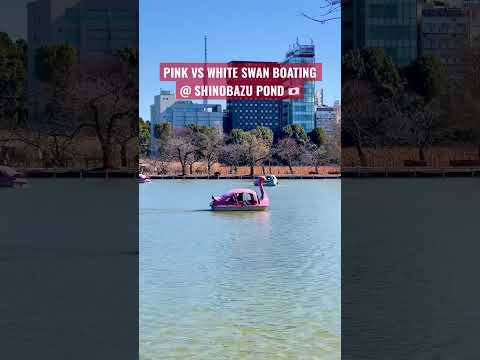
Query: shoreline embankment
{"x": 345, "y": 172}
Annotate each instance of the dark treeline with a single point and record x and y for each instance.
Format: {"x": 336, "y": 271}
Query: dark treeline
{"x": 71, "y": 110}
{"x": 257, "y": 147}
{"x": 418, "y": 106}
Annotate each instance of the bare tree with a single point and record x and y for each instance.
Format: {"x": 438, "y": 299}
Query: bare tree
{"x": 468, "y": 102}
{"x": 258, "y": 144}
{"x": 368, "y": 120}
{"x": 210, "y": 150}
{"x": 108, "y": 95}
{"x": 183, "y": 147}
{"x": 315, "y": 155}
{"x": 357, "y": 112}
{"x": 289, "y": 151}
{"x": 164, "y": 157}
{"x": 330, "y": 10}
{"x": 123, "y": 135}
{"x": 232, "y": 155}
{"x": 109, "y": 110}
{"x": 424, "y": 124}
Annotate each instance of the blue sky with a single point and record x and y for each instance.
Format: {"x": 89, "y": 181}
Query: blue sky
{"x": 172, "y": 31}
{"x": 13, "y": 18}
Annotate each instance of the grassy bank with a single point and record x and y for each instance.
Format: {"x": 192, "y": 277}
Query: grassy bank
{"x": 156, "y": 168}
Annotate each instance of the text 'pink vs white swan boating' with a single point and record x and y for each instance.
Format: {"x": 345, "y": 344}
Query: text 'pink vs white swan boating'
{"x": 241, "y": 200}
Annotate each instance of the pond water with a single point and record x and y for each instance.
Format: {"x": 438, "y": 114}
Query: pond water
{"x": 260, "y": 285}
{"x": 410, "y": 265}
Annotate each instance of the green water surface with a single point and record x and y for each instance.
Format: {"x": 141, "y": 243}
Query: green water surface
{"x": 260, "y": 285}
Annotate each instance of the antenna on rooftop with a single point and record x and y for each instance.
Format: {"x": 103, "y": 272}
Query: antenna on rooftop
{"x": 205, "y": 101}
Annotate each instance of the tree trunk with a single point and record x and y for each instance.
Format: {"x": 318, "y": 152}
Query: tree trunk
{"x": 421, "y": 153}
{"x": 252, "y": 172}
{"x": 106, "y": 156}
{"x": 291, "y": 168}
{"x": 123, "y": 154}
{"x": 361, "y": 155}
{"x": 191, "y": 168}
{"x": 183, "y": 162}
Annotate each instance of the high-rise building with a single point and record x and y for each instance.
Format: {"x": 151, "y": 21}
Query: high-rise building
{"x": 166, "y": 109}
{"x": 301, "y": 111}
{"x": 319, "y": 97}
{"x": 250, "y": 114}
{"x": 160, "y": 104}
{"x": 338, "y": 111}
{"x": 444, "y": 34}
{"x": 388, "y": 24}
{"x": 472, "y": 9}
{"x": 96, "y": 28}
{"x": 326, "y": 118}
{"x": 184, "y": 113}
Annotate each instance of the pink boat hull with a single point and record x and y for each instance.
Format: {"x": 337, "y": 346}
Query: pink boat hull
{"x": 143, "y": 179}
{"x": 239, "y": 208}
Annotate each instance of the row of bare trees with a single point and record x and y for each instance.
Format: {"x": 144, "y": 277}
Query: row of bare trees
{"x": 69, "y": 102}
{"x": 256, "y": 147}
{"x": 418, "y": 106}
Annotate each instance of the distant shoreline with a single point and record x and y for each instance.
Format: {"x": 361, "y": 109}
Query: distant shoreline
{"x": 346, "y": 172}
{"x": 243, "y": 177}
{"x": 409, "y": 172}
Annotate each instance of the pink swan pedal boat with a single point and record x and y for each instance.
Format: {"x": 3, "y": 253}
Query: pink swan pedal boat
{"x": 241, "y": 200}
{"x": 143, "y": 179}
{"x": 10, "y": 177}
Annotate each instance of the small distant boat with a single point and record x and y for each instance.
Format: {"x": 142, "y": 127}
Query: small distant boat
{"x": 241, "y": 200}
{"x": 143, "y": 179}
{"x": 269, "y": 180}
{"x": 10, "y": 177}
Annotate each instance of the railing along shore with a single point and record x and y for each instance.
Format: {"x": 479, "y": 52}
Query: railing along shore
{"x": 79, "y": 173}
{"x": 420, "y": 171}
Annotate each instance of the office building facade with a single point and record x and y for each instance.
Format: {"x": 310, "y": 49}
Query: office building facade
{"x": 444, "y": 34}
{"x": 276, "y": 114}
{"x": 96, "y": 28}
{"x": 179, "y": 114}
{"x": 250, "y": 114}
{"x": 472, "y": 9}
{"x": 327, "y": 118}
{"x": 160, "y": 103}
{"x": 184, "y": 113}
{"x": 167, "y": 109}
{"x": 302, "y": 111}
{"x": 388, "y": 24}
